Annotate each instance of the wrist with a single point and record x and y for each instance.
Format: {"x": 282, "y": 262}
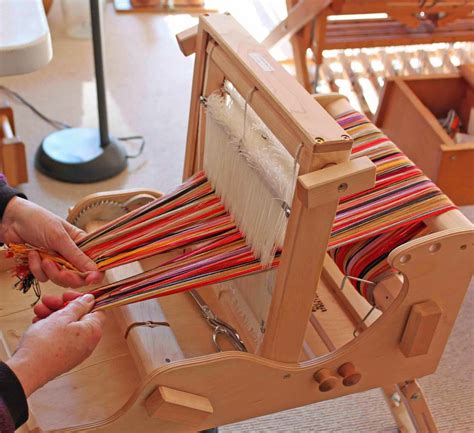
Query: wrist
{"x": 25, "y": 372}
{"x": 9, "y": 215}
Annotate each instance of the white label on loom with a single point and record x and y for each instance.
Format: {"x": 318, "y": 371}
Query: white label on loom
{"x": 262, "y": 62}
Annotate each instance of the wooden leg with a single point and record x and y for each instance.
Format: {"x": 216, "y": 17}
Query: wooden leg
{"x": 299, "y": 55}
{"x": 12, "y": 150}
{"x": 410, "y": 408}
{"x": 399, "y": 411}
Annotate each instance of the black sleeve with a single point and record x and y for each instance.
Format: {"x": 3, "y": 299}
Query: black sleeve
{"x": 6, "y": 194}
{"x": 11, "y": 392}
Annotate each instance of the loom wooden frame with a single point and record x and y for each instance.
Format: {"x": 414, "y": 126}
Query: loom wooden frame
{"x": 176, "y": 382}
{"x": 436, "y": 153}
{"x": 303, "y": 14}
{"x": 12, "y": 149}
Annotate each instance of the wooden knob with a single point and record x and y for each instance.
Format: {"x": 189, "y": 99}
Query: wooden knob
{"x": 349, "y": 374}
{"x": 326, "y": 379}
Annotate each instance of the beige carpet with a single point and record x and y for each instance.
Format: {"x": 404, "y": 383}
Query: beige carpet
{"x": 148, "y": 93}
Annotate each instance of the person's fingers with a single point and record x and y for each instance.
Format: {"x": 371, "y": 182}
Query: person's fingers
{"x": 53, "y": 302}
{"x": 70, "y": 251}
{"x": 34, "y": 261}
{"x": 62, "y": 277}
{"x": 77, "y": 308}
{"x": 94, "y": 277}
{"x": 42, "y": 311}
{"x": 70, "y": 296}
{"x": 74, "y": 232}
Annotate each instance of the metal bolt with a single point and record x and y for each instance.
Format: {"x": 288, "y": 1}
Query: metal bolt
{"x": 396, "y": 399}
{"x": 415, "y": 396}
{"x": 319, "y": 140}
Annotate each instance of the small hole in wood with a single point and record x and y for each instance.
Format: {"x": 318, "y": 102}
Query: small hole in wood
{"x": 433, "y": 248}
{"x": 463, "y": 247}
{"x": 405, "y": 258}
{"x": 342, "y": 187}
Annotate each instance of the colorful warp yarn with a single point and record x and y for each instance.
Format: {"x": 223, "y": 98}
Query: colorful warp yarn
{"x": 191, "y": 216}
{"x": 372, "y": 223}
{"x": 367, "y": 227}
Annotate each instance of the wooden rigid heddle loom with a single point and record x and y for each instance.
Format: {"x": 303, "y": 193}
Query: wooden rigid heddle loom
{"x": 272, "y": 181}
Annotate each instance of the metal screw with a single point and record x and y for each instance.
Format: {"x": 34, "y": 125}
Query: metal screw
{"x": 345, "y": 137}
{"x": 319, "y": 140}
{"x": 453, "y": 158}
{"x": 227, "y": 13}
{"x": 342, "y": 187}
{"x": 287, "y": 376}
{"x": 262, "y": 326}
{"x": 415, "y": 396}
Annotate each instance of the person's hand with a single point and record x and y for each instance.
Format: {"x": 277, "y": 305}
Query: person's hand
{"x": 51, "y": 303}
{"x": 57, "y": 344}
{"x": 26, "y": 222}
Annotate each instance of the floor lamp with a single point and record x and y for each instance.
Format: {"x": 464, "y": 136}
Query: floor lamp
{"x": 82, "y": 155}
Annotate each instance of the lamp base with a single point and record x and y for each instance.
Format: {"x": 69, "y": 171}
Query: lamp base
{"x": 75, "y": 155}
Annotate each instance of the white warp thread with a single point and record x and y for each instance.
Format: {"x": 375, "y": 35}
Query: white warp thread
{"x": 252, "y": 172}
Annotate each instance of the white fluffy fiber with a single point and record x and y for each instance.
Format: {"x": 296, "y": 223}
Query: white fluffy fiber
{"x": 252, "y": 172}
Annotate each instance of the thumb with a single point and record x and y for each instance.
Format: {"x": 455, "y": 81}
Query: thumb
{"x": 95, "y": 321}
{"x": 78, "y": 308}
{"x": 71, "y": 252}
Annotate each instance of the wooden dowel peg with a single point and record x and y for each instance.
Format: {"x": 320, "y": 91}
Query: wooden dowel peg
{"x": 326, "y": 379}
{"x": 349, "y": 374}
